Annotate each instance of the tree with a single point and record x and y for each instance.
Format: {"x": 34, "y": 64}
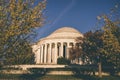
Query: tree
{"x": 91, "y": 46}
{"x": 21, "y": 55}
{"x": 103, "y": 46}
{"x": 89, "y": 49}
{"x": 62, "y": 60}
{"x": 18, "y": 19}
{"x": 111, "y": 41}
{"x": 76, "y": 50}
{"x": 111, "y": 37}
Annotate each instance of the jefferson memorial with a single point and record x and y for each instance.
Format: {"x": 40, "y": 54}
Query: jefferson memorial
{"x": 56, "y": 45}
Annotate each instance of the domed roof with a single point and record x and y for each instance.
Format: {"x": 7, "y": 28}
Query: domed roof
{"x": 65, "y": 32}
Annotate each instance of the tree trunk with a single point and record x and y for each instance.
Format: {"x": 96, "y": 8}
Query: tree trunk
{"x": 99, "y": 69}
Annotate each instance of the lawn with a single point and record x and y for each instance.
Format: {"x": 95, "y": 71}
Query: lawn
{"x": 53, "y": 77}
{"x": 37, "y": 77}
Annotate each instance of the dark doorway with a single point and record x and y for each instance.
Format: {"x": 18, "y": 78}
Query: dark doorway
{"x": 64, "y": 51}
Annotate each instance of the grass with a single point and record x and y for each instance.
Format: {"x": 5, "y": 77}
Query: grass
{"x": 59, "y": 77}
{"x": 110, "y": 78}
{"x": 53, "y": 77}
{"x": 36, "y": 77}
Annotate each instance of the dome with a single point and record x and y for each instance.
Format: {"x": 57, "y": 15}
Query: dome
{"x": 65, "y": 32}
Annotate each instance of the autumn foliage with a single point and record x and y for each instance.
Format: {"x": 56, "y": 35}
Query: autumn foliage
{"x": 18, "y": 19}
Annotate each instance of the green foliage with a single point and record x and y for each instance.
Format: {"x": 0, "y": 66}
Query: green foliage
{"x": 38, "y": 71}
{"x": 92, "y": 45}
{"x": 22, "y": 54}
{"x": 111, "y": 41}
{"x": 18, "y": 19}
{"x": 76, "y": 51}
{"x": 63, "y": 60}
{"x": 84, "y": 69}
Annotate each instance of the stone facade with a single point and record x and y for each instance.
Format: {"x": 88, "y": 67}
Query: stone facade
{"x": 56, "y": 45}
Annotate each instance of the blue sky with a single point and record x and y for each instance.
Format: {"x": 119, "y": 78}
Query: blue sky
{"x": 79, "y": 14}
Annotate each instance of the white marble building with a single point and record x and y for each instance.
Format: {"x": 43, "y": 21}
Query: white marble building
{"x": 48, "y": 49}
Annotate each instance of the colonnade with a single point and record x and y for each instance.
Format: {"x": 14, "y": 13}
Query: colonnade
{"x": 49, "y": 52}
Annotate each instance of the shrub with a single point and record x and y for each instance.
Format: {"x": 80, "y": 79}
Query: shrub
{"x": 37, "y": 70}
{"x": 63, "y": 60}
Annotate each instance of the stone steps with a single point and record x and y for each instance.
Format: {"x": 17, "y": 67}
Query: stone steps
{"x": 60, "y": 73}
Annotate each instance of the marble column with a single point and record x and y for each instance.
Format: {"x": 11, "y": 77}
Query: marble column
{"x": 52, "y": 53}
{"x": 45, "y": 54}
{"x": 67, "y": 53}
{"x": 38, "y": 55}
{"x": 49, "y": 53}
{"x": 55, "y": 54}
{"x": 61, "y": 51}
{"x": 41, "y": 53}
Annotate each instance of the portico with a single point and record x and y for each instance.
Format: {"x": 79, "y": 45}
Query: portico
{"x": 51, "y": 51}
{"x": 56, "y": 45}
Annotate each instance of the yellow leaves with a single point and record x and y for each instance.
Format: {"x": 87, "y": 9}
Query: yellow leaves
{"x": 12, "y": 5}
{"x": 20, "y": 6}
{"x": 111, "y": 43}
{"x": 1, "y": 8}
{"x": 19, "y": 17}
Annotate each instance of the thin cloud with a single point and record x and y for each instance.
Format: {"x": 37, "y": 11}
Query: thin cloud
{"x": 65, "y": 10}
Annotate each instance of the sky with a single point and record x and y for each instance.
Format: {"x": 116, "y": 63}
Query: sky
{"x": 79, "y": 14}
